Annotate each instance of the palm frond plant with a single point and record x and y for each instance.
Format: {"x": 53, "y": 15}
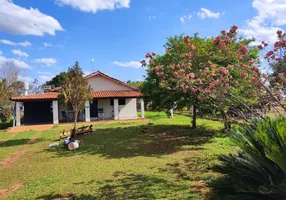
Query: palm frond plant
{"x": 258, "y": 169}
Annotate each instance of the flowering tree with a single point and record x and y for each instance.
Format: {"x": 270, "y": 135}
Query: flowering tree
{"x": 163, "y": 92}
{"x": 225, "y": 70}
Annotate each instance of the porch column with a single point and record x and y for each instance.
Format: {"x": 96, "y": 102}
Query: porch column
{"x": 18, "y": 114}
{"x": 55, "y": 112}
{"x": 87, "y": 111}
{"x": 142, "y": 108}
{"x": 116, "y": 109}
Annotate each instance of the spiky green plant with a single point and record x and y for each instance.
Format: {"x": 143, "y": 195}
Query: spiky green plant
{"x": 258, "y": 169}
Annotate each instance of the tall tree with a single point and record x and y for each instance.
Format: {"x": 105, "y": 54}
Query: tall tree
{"x": 58, "y": 80}
{"x": 75, "y": 91}
{"x": 223, "y": 70}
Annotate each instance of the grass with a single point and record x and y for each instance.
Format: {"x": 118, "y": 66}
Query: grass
{"x": 117, "y": 161}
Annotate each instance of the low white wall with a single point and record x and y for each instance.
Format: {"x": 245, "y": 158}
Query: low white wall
{"x": 129, "y": 110}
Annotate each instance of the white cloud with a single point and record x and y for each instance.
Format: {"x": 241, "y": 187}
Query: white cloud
{"x": 25, "y": 78}
{"x": 134, "y": 64}
{"x": 46, "y": 61}
{"x": 86, "y": 72}
{"x": 44, "y": 73}
{"x": 185, "y": 17}
{"x": 23, "y": 44}
{"x": 152, "y": 17}
{"x": 95, "y": 5}
{"x": 205, "y": 13}
{"x": 0, "y": 52}
{"x": 19, "y": 20}
{"x": 11, "y": 62}
{"x": 44, "y": 78}
{"x": 47, "y": 44}
{"x": 267, "y": 21}
{"x": 20, "y": 53}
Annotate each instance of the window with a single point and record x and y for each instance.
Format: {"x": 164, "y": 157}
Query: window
{"x": 120, "y": 102}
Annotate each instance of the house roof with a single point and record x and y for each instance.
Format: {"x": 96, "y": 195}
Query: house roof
{"x": 99, "y": 73}
{"x": 43, "y": 96}
{"x": 100, "y": 94}
{"x": 114, "y": 94}
{"x": 53, "y": 94}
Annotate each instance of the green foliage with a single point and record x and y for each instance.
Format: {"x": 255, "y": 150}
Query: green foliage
{"x": 258, "y": 170}
{"x": 5, "y": 113}
{"x": 136, "y": 84}
{"x": 58, "y": 80}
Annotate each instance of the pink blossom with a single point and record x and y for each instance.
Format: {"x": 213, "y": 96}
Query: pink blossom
{"x": 187, "y": 55}
{"x": 147, "y": 55}
{"x": 260, "y": 46}
{"x": 243, "y": 74}
{"x": 143, "y": 62}
{"x": 153, "y": 54}
{"x": 172, "y": 66}
{"x": 191, "y": 75}
{"x": 187, "y": 39}
{"x": 181, "y": 71}
{"x": 176, "y": 74}
{"x": 281, "y": 75}
{"x": 211, "y": 53}
{"x": 279, "y": 33}
{"x": 243, "y": 50}
{"x": 150, "y": 62}
{"x": 264, "y": 75}
{"x": 223, "y": 32}
{"x": 223, "y": 69}
{"x": 254, "y": 80}
{"x": 192, "y": 47}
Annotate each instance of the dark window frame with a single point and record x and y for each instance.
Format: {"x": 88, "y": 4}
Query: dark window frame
{"x": 121, "y": 102}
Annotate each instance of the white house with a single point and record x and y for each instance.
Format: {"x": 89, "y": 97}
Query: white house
{"x": 112, "y": 99}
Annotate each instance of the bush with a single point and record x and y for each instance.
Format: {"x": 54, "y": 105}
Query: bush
{"x": 5, "y": 114}
{"x": 258, "y": 170}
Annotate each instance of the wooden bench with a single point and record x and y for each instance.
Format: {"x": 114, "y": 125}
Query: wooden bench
{"x": 84, "y": 130}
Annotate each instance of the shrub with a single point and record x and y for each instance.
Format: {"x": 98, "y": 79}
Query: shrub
{"x": 5, "y": 114}
{"x": 258, "y": 169}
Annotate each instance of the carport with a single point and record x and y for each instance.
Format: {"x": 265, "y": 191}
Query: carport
{"x": 38, "y": 108}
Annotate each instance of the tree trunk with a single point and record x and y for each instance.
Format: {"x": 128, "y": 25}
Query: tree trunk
{"x": 75, "y": 123}
{"x": 194, "y": 121}
{"x": 227, "y": 125}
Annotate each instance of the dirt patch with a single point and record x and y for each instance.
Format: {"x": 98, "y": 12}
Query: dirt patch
{"x": 17, "y": 154}
{"x": 30, "y": 128}
{"x": 5, "y": 193}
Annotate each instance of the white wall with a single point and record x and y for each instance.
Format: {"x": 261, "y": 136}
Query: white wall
{"x": 129, "y": 110}
{"x": 99, "y": 83}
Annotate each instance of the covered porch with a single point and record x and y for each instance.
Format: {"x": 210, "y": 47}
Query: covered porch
{"x": 106, "y": 105}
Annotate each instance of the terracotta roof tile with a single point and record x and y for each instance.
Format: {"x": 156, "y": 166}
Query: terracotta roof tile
{"x": 113, "y": 94}
{"x": 100, "y": 94}
{"x": 43, "y": 96}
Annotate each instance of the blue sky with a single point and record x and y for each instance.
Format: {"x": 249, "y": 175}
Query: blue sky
{"x": 46, "y": 37}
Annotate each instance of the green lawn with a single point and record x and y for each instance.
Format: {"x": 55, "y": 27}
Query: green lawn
{"x": 117, "y": 161}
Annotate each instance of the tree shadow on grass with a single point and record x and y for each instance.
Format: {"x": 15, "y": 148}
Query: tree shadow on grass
{"x": 124, "y": 142}
{"x": 73, "y": 196}
{"x": 138, "y": 186}
{"x": 17, "y": 142}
